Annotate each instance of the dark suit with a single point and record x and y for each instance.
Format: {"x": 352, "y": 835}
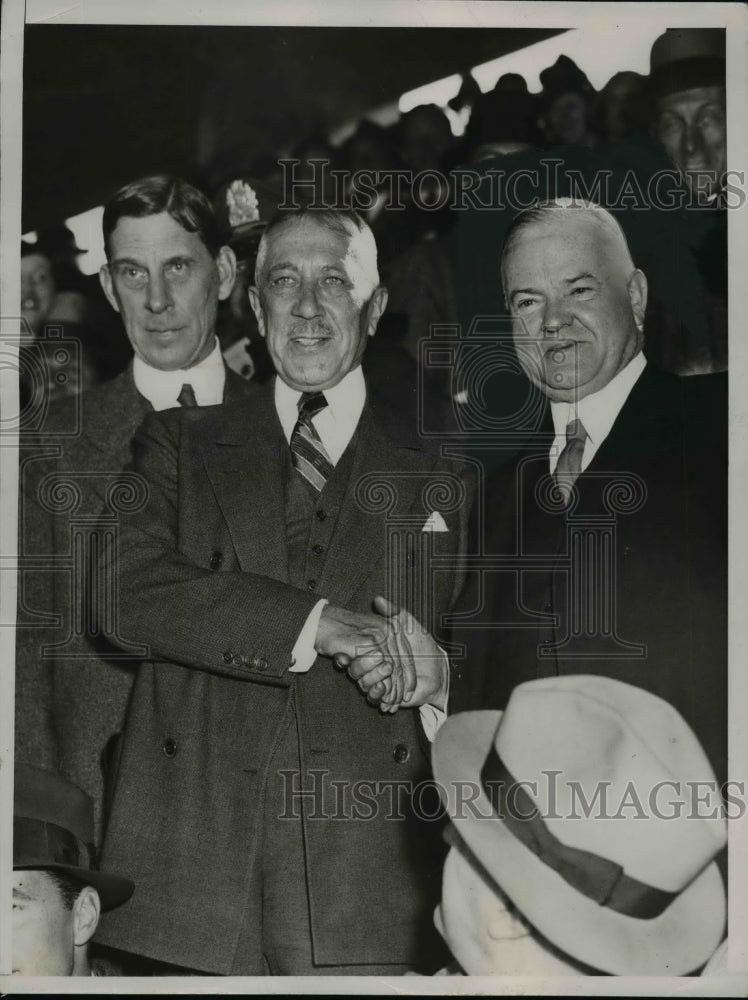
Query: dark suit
{"x": 665, "y": 544}
{"x": 71, "y": 702}
{"x": 205, "y": 582}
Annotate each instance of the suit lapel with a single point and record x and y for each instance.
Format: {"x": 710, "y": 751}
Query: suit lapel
{"x": 245, "y": 462}
{"x": 112, "y": 413}
{"x": 359, "y": 542}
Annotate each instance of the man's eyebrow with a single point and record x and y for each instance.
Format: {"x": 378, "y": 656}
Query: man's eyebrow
{"x": 283, "y": 266}
{"x": 586, "y": 275}
{"x": 127, "y": 260}
{"x": 524, "y": 291}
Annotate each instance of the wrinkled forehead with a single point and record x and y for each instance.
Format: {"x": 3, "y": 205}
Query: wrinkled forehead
{"x": 563, "y": 234}
{"x": 298, "y": 236}
{"x": 692, "y": 99}
{"x": 306, "y": 243}
{"x": 35, "y": 262}
{"x": 159, "y": 233}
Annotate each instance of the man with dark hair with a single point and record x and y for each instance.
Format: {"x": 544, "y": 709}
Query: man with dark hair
{"x": 272, "y": 531}
{"x": 58, "y": 893}
{"x": 165, "y": 275}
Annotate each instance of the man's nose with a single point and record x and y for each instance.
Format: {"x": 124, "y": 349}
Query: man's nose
{"x": 307, "y": 304}
{"x": 556, "y": 315}
{"x": 158, "y": 296}
{"x": 692, "y": 139}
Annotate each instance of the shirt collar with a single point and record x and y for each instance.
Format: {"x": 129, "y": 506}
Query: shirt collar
{"x": 599, "y": 410}
{"x": 161, "y": 389}
{"x": 345, "y": 403}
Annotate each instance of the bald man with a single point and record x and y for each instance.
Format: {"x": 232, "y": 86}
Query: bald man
{"x": 617, "y": 510}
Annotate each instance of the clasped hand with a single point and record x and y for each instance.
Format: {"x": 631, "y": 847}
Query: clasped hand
{"x": 390, "y": 655}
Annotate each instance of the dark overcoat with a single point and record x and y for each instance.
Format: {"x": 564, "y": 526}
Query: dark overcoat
{"x": 630, "y": 582}
{"x": 72, "y": 685}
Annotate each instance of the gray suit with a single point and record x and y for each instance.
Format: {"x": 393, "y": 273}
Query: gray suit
{"x": 69, "y": 703}
{"x": 206, "y": 583}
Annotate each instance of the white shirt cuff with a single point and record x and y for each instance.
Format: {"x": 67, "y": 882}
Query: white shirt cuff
{"x": 432, "y": 718}
{"x": 304, "y": 654}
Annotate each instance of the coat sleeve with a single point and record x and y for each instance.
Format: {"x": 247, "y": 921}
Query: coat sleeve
{"x": 236, "y": 624}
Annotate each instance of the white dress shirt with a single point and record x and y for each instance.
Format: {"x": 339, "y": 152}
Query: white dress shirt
{"x": 161, "y": 389}
{"x": 598, "y": 412}
{"x": 336, "y": 425}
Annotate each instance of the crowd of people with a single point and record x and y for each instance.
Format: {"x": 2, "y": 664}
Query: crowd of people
{"x": 307, "y": 683}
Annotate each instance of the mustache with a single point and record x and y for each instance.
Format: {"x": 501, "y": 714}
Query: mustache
{"x": 310, "y": 328}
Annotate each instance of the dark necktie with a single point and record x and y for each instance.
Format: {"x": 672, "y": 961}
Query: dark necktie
{"x": 308, "y": 454}
{"x": 186, "y": 395}
{"x": 570, "y": 460}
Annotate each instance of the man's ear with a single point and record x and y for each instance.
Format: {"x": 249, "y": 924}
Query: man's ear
{"x": 254, "y": 301}
{"x": 226, "y": 263}
{"x": 86, "y": 911}
{"x": 105, "y": 279}
{"x": 374, "y": 309}
{"x": 637, "y": 288}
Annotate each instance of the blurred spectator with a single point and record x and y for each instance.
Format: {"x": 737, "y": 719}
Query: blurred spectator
{"x": 622, "y": 108}
{"x": 38, "y": 287}
{"x": 424, "y": 136}
{"x": 466, "y": 98}
{"x": 310, "y": 152}
{"x": 58, "y": 243}
{"x": 567, "y": 102}
{"x": 243, "y": 208}
{"x": 372, "y": 150}
{"x": 43, "y": 311}
{"x": 503, "y": 120}
{"x": 687, "y": 82}
{"x": 58, "y": 893}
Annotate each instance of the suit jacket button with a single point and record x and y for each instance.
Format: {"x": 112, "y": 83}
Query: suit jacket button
{"x": 227, "y": 657}
{"x": 169, "y": 747}
{"x": 239, "y": 661}
{"x": 318, "y": 549}
{"x": 215, "y": 560}
{"x": 321, "y": 515}
{"x": 262, "y": 664}
{"x": 311, "y": 585}
{"x": 401, "y": 753}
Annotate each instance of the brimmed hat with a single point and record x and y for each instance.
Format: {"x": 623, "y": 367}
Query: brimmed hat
{"x": 625, "y": 895}
{"x": 683, "y": 58}
{"x": 58, "y": 242}
{"x": 243, "y": 208}
{"x": 53, "y": 831}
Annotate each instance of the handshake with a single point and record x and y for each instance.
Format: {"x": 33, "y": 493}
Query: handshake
{"x": 390, "y": 655}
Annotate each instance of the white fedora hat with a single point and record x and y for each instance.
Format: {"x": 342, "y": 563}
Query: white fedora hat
{"x": 607, "y": 846}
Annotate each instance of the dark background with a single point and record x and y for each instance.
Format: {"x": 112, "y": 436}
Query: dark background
{"x": 105, "y": 104}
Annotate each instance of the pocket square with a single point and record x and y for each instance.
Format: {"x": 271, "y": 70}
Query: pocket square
{"x": 435, "y": 522}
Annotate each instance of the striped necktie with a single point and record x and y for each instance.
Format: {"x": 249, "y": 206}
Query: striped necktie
{"x": 186, "y": 395}
{"x": 308, "y": 454}
{"x": 570, "y": 460}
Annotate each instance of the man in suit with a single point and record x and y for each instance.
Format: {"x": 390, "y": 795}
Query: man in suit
{"x": 165, "y": 274}
{"x": 607, "y": 537}
{"x": 273, "y": 818}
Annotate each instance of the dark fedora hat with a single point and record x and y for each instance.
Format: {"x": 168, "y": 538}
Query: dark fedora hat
{"x": 682, "y": 58}
{"x": 53, "y": 831}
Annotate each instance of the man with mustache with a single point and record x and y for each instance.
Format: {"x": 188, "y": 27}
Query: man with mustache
{"x": 166, "y": 270}
{"x": 249, "y": 762}
{"x": 613, "y": 523}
